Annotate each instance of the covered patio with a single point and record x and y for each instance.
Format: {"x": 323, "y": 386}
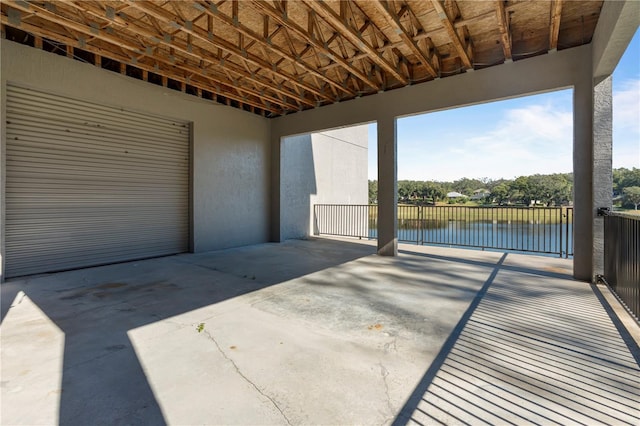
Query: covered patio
{"x": 140, "y": 129}
{"x": 321, "y": 331}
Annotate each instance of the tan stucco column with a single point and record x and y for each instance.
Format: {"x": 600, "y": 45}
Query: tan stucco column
{"x": 387, "y": 187}
{"x": 275, "y": 235}
{"x": 592, "y": 171}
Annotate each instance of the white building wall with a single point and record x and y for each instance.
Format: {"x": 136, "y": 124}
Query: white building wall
{"x": 231, "y": 151}
{"x": 329, "y": 167}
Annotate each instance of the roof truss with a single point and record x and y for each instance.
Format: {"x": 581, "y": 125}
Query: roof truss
{"x": 275, "y": 57}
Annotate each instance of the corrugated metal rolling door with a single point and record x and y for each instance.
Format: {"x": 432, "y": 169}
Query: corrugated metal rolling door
{"x": 88, "y": 184}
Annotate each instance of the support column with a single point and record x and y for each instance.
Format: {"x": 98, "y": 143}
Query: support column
{"x": 387, "y": 187}
{"x": 602, "y": 165}
{"x": 276, "y": 151}
{"x": 583, "y": 175}
{"x": 592, "y": 173}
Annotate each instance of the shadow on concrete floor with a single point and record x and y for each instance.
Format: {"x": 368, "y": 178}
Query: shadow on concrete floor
{"x": 309, "y": 332}
{"x": 95, "y": 308}
{"x": 543, "y": 354}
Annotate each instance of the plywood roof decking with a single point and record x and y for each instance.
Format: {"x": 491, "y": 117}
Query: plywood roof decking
{"x": 278, "y": 57}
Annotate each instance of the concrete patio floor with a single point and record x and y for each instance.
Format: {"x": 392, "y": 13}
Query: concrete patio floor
{"x": 316, "y": 332}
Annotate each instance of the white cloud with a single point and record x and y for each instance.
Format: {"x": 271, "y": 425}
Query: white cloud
{"x": 528, "y": 140}
{"x": 536, "y": 138}
{"x": 626, "y": 124}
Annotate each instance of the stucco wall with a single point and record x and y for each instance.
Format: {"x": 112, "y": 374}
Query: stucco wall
{"x": 328, "y": 167}
{"x": 230, "y": 147}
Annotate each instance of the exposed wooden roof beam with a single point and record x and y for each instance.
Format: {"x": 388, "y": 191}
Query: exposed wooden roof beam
{"x": 460, "y": 46}
{"x": 385, "y": 9}
{"x": 554, "y": 28}
{"x": 200, "y": 56}
{"x": 503, "y": 25}
{"x": 106, "y": 53}
{"x": 132, "y": 50}
{"x": 354, "y": 37}
{"x": 162, "y": 15}
{"x": 317, "y": 44}
{"x": 243, "y": 29}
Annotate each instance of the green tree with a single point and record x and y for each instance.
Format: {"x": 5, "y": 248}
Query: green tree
{"x": 373, "y": 192}
{"x": 466, "y": 186}
{"x": 624, "y": 178}
{"x": 632, "y": 195}
{"x": 549, "y": 189}
{"x": 520, "y": 190}
{"x": 405, "y": 188}
{"x": 561, "y": 190}
{"x": 431, "y": 191}
{"x": 500, "y": 193}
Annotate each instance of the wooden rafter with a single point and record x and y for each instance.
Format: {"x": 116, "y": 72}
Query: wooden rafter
{"x": 162, "y": 15}
{"x": 503, "y": 25}
{"x": 354, "y": 37}
{"x": 385, "y": 9}
{"x": 131, "y": 50}
{"x": 461, "y": 46}
{"x": 203, "y": 57}
{"x": 107, "y": 53}
{"x": 554, "y": 27}
{"x": 278, "y": 56}
{"x": 293, "y": 57}
{"x": 318, "y": 44}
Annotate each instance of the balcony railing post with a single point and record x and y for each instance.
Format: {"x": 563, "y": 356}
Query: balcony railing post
{"x": 419, "y": 236}
{"x": 561, "y": 230}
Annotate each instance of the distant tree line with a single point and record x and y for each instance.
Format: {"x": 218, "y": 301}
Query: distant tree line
{"x": 548, "y": 190}
{"x": 626, "y": 187}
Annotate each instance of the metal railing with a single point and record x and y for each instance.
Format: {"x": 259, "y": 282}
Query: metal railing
{"x": 546, "y": 230}
{"x": 622, "y": 258}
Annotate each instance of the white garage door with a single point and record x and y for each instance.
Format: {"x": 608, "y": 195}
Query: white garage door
{"x": 88, "y": 184}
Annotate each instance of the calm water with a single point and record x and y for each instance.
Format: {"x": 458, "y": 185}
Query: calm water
{"x": 517, "y": 236}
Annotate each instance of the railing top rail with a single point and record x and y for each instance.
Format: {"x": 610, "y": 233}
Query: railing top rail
{"x": 626, "y": 215}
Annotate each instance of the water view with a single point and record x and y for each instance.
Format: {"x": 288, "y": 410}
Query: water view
{"x": 553, "y": 239}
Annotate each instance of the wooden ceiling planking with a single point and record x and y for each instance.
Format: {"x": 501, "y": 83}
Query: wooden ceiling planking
{"x": 278, "y": 57}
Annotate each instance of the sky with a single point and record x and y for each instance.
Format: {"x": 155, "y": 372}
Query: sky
{"x": 532, "y": 134}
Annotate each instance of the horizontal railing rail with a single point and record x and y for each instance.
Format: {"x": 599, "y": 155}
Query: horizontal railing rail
{"x": 546, "y": 230}
{"x": 622, "y": 258}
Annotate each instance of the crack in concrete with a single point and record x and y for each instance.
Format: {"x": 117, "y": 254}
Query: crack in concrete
{"x": 235, "y": 366}
{"x": 384, "y": 373}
